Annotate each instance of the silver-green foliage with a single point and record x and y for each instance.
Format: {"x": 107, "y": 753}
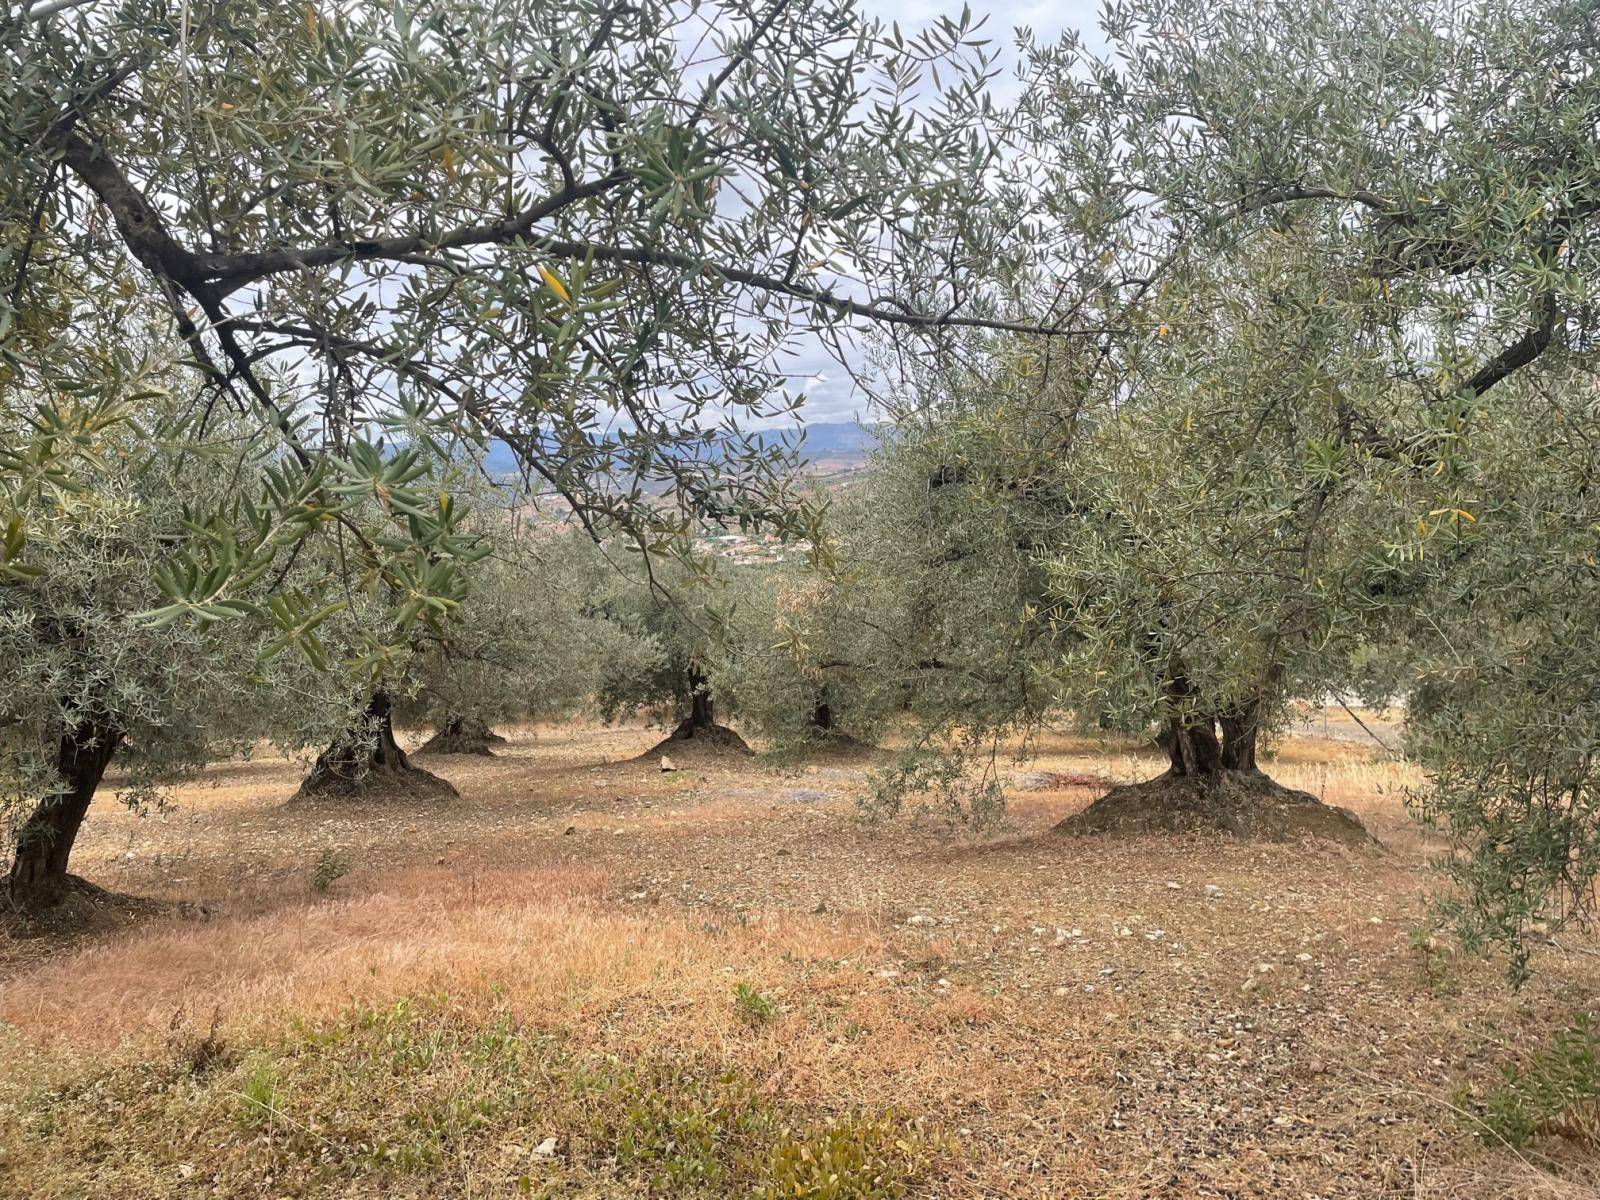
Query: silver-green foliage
{"x": 531, "y": 640}
{"x": 97, "y": 495}
{"x": 584, "y": 229}
{"x": 1506, "y": 708}
{"x": 673, "y": 616}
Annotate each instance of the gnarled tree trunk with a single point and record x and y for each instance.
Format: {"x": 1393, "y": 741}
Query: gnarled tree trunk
{"x": 1212, "y": 782}
{"x": 1239, "y": 726}
{"x": 367, "y": 758}
{"x": 1193, "y": 748}
{"x": 462, "y": 735}
{"x": 38, "y": 879}
{"x": 821, "y": 719}
{"x": 702, "y": 713}
{"x": 1196, "y": 750}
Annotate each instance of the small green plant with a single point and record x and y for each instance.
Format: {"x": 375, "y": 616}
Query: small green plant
{"x": 258, "y": 1096}
{"x": 937, "y": 781}
{"x": 854, "y": 1155}
{"x": 752, "y": 1005}
{"x": 1433, "y": 961}
{"x": 331, "y": 865}
{"x": 1558, "y": 1091}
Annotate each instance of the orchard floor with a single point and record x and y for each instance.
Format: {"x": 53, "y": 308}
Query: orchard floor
{"x": 590, "y": 978}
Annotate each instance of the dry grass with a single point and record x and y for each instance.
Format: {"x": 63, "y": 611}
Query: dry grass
{"x": 1064, "y": 1017}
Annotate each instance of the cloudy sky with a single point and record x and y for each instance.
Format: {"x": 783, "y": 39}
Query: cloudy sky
{"x": 830, "y": 395}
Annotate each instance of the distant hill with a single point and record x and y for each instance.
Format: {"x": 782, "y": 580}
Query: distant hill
{"x": 833, "y": 445}
{"x": 839, "y": 439}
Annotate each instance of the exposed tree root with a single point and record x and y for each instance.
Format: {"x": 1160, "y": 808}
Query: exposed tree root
{"x": 77, "y": 907}
{"x": 691, "y": 740}
{"x": 1246, "y": 804}
{"x": 462, "y": 735}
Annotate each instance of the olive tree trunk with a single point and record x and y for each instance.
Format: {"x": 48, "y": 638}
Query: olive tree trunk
{"x": 702, "y": 713}
{"x": 1239, "y": 727}
{"x": 1212, "y": 782}
{"x": 821, "y": 718}
{"x": 1206, "y": 746}
{"x": 38, "y": 878}
{"x": 457, "y": 734}
{"x": 367, "y": 757}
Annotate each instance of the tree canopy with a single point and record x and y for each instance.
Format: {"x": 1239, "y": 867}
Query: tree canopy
{"x": 586, "y": 230}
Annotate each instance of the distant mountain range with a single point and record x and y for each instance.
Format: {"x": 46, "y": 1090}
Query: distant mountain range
{"x": 838, "y": 439}
{"x": 835, "y": 444}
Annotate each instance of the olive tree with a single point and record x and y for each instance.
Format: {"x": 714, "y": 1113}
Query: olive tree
{"x": 127, "y": 492}
{"x": 585, "y": 229}
{"x": 1438, "y": 162}
{"x": 1504, "y": 707}
{"x": 99, "y": 490}
{"x": 784, "y": 660}
{"x": 529, "y": 642}
{"x": 85, "y": 683}
{"x": 1318, "y": 243}
{"x": 688, "y": 608}
{"x": 1190, "y": 544}
{"x": 914, "y": 615}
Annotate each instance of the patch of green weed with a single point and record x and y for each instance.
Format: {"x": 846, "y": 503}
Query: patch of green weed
{"x": 1556, "y": 1092}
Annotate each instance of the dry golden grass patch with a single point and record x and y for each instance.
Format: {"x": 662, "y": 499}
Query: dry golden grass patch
{"x": 179, "y": 1037}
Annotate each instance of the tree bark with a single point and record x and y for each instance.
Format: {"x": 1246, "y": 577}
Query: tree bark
{"x": 38, "y": 878}
{"x": 821, "y": 719}
{"x": 1193, "y": 748}
{"x": 702, "y": 714}
{"x": 1239, "y": 727}
{"x": 368, "y": 753}
{"x": 462, "y": 735}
